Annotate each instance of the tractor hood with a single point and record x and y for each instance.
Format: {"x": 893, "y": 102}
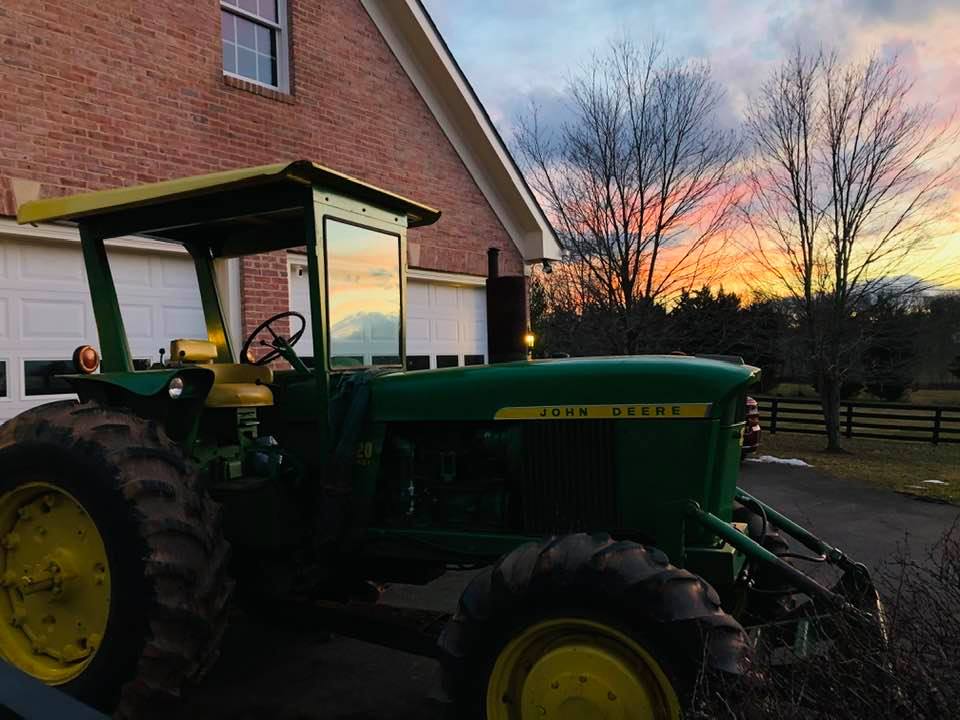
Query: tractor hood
{"x": 592, "y": 388}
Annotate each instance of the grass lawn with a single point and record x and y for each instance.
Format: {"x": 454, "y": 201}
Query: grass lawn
{"x": 915, "y": 397}
{"x": 887, "y": 463}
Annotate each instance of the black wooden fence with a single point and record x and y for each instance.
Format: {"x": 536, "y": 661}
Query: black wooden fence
{"x": 881, "y": 421}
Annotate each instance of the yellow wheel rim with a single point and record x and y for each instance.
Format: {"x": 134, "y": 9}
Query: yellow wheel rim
{"x": 54, "y": 583}
{"x": 576, "y": 669}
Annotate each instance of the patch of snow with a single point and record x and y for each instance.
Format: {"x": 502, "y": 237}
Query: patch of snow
{"x": 934, "y": 482}
{"x": 796, "y": 462}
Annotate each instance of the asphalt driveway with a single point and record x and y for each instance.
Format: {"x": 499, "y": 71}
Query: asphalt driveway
{"x": 285, "y": 675}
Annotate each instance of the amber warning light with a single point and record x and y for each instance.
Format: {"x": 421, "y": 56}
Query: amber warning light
{"x": 86, "y": 360}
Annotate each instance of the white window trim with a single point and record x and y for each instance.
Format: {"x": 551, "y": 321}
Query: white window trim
{"x": 8, "y": 372}
{"x": 282, "y": 28}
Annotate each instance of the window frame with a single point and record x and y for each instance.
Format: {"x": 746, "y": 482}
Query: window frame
{"x": 282, "y": 29}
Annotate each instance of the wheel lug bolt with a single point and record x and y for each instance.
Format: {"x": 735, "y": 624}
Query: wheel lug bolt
{"x": 555, "y": 685}
{"x": 582, "y": 679}
{"x": 611, "y": 696}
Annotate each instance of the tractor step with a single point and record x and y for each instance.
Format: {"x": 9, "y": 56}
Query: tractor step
{"x": 412, "y": 630}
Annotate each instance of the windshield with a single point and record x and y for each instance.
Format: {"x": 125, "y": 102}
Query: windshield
{"x": 363, "y": 291}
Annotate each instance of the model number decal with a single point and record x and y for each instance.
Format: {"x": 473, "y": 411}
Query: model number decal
{"x": 605, "y": 412}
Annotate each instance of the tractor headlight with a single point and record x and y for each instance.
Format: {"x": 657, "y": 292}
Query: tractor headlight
{"x": 175, "y": 388}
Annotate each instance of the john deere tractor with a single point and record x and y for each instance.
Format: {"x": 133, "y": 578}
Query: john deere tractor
{"x": 308, "y": 467}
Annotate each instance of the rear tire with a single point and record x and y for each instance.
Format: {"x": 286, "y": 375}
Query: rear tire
{"x": 165, "y": 551}
{"x": 542, "y": 604}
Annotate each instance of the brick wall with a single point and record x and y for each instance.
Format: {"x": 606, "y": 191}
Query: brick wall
{"x": 98, "y": 95}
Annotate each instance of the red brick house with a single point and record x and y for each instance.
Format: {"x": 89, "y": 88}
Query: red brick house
{"x": 103, "y": 95}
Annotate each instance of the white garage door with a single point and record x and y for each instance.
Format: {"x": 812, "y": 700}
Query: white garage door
{"x": 446, "y": 325}
{"x": 446, "y": 321}
{"x": 45, "y": 312}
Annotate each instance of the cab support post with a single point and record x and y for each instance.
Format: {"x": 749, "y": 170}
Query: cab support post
{"x": 114, "y": 348}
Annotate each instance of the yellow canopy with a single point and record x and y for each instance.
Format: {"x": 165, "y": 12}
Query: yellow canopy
{"x": 77, "y": 207}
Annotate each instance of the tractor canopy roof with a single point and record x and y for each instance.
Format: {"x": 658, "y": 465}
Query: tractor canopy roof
{"x": 224, "y": 209}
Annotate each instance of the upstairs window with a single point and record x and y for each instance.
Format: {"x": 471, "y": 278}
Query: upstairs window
{"x": 255, "y": 41}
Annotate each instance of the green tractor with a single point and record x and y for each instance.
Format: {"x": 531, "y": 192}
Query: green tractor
{"x": 599, "y": 495}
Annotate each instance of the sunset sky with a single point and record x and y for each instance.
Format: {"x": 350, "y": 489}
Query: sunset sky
{"x": 518, "y": 51}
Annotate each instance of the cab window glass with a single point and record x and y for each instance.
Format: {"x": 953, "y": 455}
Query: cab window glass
{"x": 363, "y": 290}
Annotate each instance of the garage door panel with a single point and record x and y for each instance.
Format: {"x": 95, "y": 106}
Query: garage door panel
{"x": 418, "y": 294}
{"x": 137, "y": 321}
{"x": 183, "y": 322}
{"x": 473, "y": 332}
{"x": 178, "y": 275}
{"x": 3, "y": 259}
{"x": 446, "y": 330}
{"x": 418, "y": 330}
{"x": 130, "y": 270}
{"x": 4, "y": 318}
{"x": 43, "y": 319}
{"x": 60, "y": 264}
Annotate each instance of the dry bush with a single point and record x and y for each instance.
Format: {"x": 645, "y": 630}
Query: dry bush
{"x": 915, "y": 674}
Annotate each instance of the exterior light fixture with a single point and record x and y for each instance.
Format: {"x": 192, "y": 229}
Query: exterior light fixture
{"x": 86, "y": 359}
{"x": 529, "y": 340}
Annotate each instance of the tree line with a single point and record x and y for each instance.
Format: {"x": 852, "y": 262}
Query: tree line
{"x": 826, "y": 199}
{"x": 894, "y": 343}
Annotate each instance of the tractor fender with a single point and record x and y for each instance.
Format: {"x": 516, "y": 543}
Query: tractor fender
{"x": 146, "y": 394}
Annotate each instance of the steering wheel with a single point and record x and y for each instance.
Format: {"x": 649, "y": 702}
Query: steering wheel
{"x": 278, "y": 343}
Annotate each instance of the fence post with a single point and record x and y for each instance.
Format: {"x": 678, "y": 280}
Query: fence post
{"x": 849, "y": 432}
{"x": 773, "y": 415}
{"x": 937, "y": 414}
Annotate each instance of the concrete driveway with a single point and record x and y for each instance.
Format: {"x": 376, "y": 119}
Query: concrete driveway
{"x": 284, "y": 675}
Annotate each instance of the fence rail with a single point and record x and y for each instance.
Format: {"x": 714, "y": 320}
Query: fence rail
{"x": 874, "y": 420}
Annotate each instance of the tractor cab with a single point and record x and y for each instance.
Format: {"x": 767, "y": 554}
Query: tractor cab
{"x": 353, "y": 238}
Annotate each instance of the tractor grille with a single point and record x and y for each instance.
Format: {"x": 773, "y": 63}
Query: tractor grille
{"x": 568, "y": 477}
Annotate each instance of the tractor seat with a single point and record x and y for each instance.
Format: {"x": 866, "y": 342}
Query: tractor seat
{"x": 234, "y": 385}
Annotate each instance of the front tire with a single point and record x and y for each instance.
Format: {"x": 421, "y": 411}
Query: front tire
{"x": 585, "y": 621}
{"x": 140, "y": 541}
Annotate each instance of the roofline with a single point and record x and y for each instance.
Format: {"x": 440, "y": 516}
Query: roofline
{"x": 510, "y": 196}
{"x": 487, "y": 120}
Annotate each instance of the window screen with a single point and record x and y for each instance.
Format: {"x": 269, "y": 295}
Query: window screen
{"x": 418, "y": 362}
{"x": 386, "y": 359}
{"x": 473, "y": 359}
{"x": 444, "y": 361}
{"x": 40, "y": 377}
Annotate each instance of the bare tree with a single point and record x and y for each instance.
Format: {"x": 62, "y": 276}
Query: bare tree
{"x": 848, "y": 181}
{"x": 637, "y": 183}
